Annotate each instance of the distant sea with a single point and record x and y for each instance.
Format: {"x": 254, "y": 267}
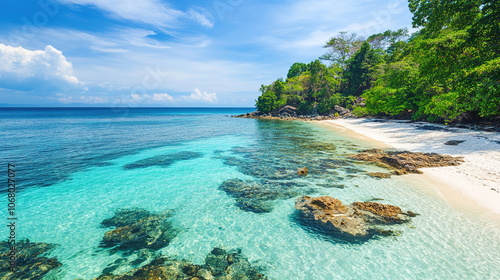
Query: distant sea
{"x": 76, "y": 166}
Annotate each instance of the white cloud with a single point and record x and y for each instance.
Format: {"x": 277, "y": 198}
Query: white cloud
{"x": 38, "y": 69}
{"x": 151, "y": 98}
{"x": 202, "y": 17}
{"x": 197, "y": 95}
{"x": 83, "y": 99}
{"x": 145, "y": 11}
{"x": 154, "y": 12}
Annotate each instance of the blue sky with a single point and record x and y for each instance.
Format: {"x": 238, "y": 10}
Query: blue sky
{"x": 168, "y": 53}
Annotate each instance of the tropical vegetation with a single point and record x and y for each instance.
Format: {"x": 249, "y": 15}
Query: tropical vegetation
{"x": 447, "y": 71}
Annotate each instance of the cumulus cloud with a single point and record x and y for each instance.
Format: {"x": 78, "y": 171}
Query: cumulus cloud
{"x": 25, "y": 69}
{"x": 150, "y": 98}
{"x": 83, "y": 99}
{"x": 156, "y": 98}
{"x": 197, "y": 95}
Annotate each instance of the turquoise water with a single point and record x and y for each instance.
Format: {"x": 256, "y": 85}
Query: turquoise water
{"x": 74, "y": 166}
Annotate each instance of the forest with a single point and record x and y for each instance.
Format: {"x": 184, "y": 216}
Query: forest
{"x": 447, "y": 71}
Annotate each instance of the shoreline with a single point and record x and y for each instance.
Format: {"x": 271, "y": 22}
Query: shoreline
{"x": 473, "y": 185}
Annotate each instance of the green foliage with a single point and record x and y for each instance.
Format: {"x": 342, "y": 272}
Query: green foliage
{"x": 447, "y": 71}
{"x": 305, "y": 108}
{"x": 267, "y": 101}
{"x": 341, "y": 48}
{"x": 360, "y": 69}
{"x": 360, "y": 112}
{"x": 326, "y": 105}
{"x": 479, "y": 17}
{"x": 388, "y": 38}
{"x": 296, "y": 69}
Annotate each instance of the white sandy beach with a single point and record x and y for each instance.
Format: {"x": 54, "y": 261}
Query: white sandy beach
{"x": 478, "y": 178}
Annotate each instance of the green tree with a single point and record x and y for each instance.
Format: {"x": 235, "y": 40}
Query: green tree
{"x": 341, "y": 48}
{"x": 479, "y": 17}
{"x": 296, "y": 69}
{"x": 388, "y": 38}
{"x": 360, "y": 69}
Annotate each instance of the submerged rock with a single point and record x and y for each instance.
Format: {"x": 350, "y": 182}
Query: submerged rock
{"x": 219, "y": 265}
{"x": 303, "y": 171}
{"x": 379, "y": 175}
{"x": 137, "y": 229}
{"x": 163, "y": 160}
{"x": 408, "y": 162}
{"x": 30, "y": 263}
{"x": 357, "y": 221}
{"x": 257, "y": 196}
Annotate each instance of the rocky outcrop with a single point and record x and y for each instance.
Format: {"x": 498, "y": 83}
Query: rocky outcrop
{"x": 379, "y": 175}
{"x": 341, "y": 110}
{"x": 138, "y": 229}
{"x": 219, "y": 265}
{"x": 358, "y": 221}
{"x": 30, "y": 262}
{"x": 408, "y": 162}
{"x": 288, "y": 111}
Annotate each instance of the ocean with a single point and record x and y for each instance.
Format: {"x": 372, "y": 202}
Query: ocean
{"x": 76, "y": 167}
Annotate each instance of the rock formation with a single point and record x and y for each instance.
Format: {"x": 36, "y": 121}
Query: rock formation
{"x": 138, "y": 229}
{"x": 407, "y": 162}
{"x": 219, "y": 265}
{"x": 30, "y": 264}
{"x": 303, "y": 171}
{"x": 358, "y": 221}
{"x": 257, "y": 196}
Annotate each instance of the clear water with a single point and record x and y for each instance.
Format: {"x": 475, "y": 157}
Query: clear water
{"x": 72, "y": 175}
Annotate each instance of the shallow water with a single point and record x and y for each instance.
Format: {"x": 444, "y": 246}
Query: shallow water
{"x": 76, "y": 167}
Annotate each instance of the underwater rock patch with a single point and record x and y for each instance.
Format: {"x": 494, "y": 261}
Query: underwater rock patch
{"x": 408, "y": 162}
{"x": 379, "y": 175}
{"x": 219, "y": 265}
{"x": 257, "y": 196}
{"x": 163, "y": 160}
{"x": 30, "y": 263}
{"x": 138, "y": 229}
{"x": 357, "y": 222}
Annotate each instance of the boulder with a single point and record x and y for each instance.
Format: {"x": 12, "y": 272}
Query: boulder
{"x": 341, "y": 110}
{"x": 303, "y": 171}
{"x": 358, "y": 221}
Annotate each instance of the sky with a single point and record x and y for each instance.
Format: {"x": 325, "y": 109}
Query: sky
{"x": 166, "y": 53}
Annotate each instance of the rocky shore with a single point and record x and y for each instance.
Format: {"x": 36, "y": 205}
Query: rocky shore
{"x": 290, "y": 113}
